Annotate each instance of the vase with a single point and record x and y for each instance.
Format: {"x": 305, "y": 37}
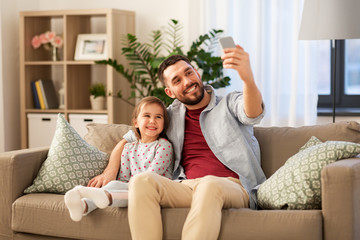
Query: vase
{"x": 54, "y": 53}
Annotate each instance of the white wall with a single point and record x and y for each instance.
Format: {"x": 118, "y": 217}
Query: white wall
{"x": 9, "y": 72}
{"x": 2, "y": 124}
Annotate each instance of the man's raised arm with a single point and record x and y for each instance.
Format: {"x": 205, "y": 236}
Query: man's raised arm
{"x": 238, "y": 59}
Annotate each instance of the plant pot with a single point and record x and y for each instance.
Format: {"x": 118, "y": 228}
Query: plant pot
{"x": 98, "y": 103}
{"x": 54, "y": 55}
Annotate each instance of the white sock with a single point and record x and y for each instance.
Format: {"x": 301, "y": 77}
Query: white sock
{"x": 98, "y": 195}
{"x": 75, "y": 204}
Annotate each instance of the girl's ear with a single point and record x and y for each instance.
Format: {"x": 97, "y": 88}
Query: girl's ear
{"x": 169, "y": 93}
{"x": 135, "y": 123}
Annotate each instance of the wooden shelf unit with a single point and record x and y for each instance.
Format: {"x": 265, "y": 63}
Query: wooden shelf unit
{"x": 75, "y": 76}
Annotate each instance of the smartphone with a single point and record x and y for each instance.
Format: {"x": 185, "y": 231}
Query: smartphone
{"x": 227, "y": 42}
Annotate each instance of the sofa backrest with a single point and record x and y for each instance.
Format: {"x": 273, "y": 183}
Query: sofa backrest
{"x": 277, "y": 144}
{"x": 105, "y": 136}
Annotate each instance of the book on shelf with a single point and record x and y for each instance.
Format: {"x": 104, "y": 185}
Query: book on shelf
{"x": 49, "y": 93}
{"x": 40, "y": 96}
{"x": 43, "y": 93}
{"x": 46, "y": 94}
{"x": 35, "y": 95}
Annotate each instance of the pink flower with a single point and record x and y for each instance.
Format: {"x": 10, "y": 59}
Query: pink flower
{"x": 48, "y": 39}
{"x": 50, "y": 36}
{"x": 58, "y": 42}
{"x": 43, "y": 38}
{"x": 35, "y": 42}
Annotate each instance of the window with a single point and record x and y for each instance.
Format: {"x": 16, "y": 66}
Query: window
{"x": 347, "y": 90}
{"x": 352, "y": 69}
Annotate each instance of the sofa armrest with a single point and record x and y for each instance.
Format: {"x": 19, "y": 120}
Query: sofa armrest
{"x": 18, "y": 169}
{"x": 341, "y": 199}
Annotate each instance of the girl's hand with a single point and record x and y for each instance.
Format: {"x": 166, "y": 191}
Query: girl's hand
{"x": 102, "y": 179}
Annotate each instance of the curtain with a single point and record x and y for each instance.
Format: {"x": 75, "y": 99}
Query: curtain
{"x": 285, "y": 68}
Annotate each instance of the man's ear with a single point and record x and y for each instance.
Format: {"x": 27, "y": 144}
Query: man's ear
{"x": 169, "y": 93}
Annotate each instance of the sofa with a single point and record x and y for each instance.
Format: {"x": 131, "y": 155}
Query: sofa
{"x": 44, "y": 215}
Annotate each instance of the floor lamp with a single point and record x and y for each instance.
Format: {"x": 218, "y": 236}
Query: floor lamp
{"x": 333, "y": 20}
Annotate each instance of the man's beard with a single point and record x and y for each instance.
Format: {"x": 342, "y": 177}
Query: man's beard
{"x": 188, "y": 101}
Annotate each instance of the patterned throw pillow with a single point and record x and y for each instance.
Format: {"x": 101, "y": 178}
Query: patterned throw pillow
{"x": 312, "y": 142}
{"x": 70, "y": 162}
{"x": 297, "y": 184}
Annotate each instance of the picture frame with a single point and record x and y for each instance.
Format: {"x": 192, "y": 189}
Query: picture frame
{"x": 91, "y": 47}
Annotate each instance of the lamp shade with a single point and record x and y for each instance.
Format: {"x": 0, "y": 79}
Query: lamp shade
{"x": 330, "y": 19}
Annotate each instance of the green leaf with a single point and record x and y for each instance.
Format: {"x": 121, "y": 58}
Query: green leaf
{"x": 98, "y": 90}
{"x": 174, "y": 21}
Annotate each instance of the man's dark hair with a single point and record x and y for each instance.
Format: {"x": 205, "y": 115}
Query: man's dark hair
{"x": 168, "y": 62}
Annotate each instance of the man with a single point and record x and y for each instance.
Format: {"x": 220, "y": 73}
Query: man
{"x": 217, "y": 158}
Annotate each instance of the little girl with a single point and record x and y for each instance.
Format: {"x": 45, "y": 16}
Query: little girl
{"x": 151, "y": 152}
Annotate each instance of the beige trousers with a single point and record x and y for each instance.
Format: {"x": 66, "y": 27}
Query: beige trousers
{"x": 205, "y": 196}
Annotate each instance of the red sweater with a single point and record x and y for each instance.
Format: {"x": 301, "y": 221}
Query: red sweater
{"x": 197, "y": 158}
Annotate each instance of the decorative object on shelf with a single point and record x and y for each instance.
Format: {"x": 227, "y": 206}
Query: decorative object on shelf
{"x": 98, "y": 96}
{"x": 145, "y": 59}
{"x": 62, "y": 97}
{"x": 330, "y": 20}
{"x": 91, "y": 47}
{"x": 50, "y": 42}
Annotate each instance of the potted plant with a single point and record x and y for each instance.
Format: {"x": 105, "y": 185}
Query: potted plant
{"x": 98, "y": 96}
{"x": 145, "y": 59}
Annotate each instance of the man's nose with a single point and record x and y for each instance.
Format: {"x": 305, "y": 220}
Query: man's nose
{"x": 188, "y": 81}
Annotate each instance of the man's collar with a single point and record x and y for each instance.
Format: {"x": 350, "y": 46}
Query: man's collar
{"x": 209, "y": 89}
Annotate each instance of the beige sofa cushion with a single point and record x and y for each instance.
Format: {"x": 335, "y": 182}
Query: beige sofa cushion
{"x": 46, "y": 214}
{"x": 105, "y": 136}
{"x": 277, "y": 144}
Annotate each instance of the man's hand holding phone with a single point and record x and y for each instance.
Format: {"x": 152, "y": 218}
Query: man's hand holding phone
{"x": 236, "y": 58}
{"x": 227, "y": 42}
